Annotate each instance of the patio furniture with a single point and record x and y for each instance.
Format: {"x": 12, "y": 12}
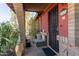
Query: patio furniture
{"x": 40, "y": 42}
{"x": 28, "y": 44}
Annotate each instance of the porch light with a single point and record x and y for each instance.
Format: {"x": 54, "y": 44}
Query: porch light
{"x": 63, "y": 12}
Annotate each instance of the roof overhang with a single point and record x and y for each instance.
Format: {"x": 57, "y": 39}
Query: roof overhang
{"x": 33, "y": 7}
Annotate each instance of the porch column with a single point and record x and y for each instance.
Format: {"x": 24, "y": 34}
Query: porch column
{"x": 18, "y": 7}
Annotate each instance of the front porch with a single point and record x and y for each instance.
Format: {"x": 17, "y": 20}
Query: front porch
{"x": 53, "y": 29}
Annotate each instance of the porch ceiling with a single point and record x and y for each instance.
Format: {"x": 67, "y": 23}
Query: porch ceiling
{"x": 35, "y": 7}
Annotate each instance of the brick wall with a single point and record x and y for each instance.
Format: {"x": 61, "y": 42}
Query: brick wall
{"x": 77, "y": 25}
{"x": 73, "y": 29}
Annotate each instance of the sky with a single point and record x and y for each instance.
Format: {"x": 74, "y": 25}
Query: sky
{"x": 32, "y": 14}
{"x": 5, "y": 12}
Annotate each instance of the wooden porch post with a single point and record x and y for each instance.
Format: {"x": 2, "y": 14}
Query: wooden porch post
{"x": 18, "y": 7}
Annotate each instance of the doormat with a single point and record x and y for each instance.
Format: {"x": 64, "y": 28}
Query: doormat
{"x": 48, "y": 52}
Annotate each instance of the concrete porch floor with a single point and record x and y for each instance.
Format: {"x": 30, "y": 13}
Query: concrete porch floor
{"x": 34, "y": 51}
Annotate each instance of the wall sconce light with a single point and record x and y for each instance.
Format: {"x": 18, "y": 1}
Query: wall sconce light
{"x": 63, "y": 12}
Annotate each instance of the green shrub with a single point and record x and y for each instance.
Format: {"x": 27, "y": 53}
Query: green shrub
{"x": 8, "y": 37}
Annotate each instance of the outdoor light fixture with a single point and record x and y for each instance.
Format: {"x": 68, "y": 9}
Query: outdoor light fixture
{"x": 63, "y": 12}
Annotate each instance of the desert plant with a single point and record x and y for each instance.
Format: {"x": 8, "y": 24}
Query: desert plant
{"x": 8, "y": 37}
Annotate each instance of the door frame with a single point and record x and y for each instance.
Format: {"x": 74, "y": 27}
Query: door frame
{"x": 49, "y": 27}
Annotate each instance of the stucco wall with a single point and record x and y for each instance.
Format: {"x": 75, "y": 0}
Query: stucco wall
{"x": 45, "y": 22}
{"x": 63, "y": 21}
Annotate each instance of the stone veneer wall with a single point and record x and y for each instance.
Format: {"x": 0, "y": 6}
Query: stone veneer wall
{"x": 63, "y": 41}
{"x": 77, "y": 24}
{"x": 73, "y": 29}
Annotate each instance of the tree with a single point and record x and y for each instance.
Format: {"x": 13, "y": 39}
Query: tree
{"x": 33, "y": 27}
